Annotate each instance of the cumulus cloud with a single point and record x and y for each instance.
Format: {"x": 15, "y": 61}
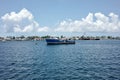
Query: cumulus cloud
{"x": 96, "y": 22}
{"x": 22, "y": 21}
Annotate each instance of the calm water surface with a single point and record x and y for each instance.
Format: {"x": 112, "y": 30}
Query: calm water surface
{"x": 34, "y": 60}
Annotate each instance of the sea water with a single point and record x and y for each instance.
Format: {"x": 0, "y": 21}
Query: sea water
{"x": 35, "y": 60}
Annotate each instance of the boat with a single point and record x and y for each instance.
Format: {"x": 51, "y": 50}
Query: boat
{"x": 59, "y": 41}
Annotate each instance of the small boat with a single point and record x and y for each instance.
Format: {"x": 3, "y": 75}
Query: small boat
{"x": 59, "y": 41}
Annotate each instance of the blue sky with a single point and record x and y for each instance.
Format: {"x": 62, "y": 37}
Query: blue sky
{"x": 52, "y": 13}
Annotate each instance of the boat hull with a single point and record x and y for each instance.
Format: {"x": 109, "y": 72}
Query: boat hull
{"x": 57, "y": 41}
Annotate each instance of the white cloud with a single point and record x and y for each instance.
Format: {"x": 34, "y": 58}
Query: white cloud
{"x": 22, "y": 21}
{"x": 45, "y": 29}
{"x": 97, "y": 22}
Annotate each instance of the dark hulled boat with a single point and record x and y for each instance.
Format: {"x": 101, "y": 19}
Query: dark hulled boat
{"x": 58, "y": 41}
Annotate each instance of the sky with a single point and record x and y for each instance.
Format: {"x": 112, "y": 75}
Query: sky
{"x": 59, "y": 17}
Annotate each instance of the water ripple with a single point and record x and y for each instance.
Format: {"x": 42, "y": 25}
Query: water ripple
{"x": 86, "y": 60}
